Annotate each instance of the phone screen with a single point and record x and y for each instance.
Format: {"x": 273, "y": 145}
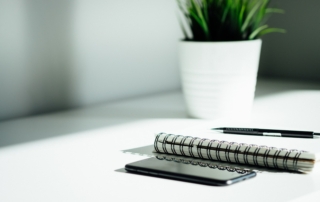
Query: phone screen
{"x": 195, "y": 171}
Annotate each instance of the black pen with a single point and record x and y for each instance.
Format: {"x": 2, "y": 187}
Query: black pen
{"x": 268, "y": 132}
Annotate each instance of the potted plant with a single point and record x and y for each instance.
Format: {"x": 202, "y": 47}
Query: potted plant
{"x": 219, "y": 55}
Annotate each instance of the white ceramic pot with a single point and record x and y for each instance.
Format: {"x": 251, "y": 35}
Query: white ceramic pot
{"x": 219, "y": 78}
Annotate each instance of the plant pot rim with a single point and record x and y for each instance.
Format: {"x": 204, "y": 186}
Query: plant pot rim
{"x": 242, "y": 41}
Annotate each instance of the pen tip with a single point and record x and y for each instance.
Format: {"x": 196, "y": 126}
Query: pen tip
{"x": 216, "y": 128}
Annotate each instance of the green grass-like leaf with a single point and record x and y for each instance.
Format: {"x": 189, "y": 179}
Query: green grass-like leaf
{"x": 227, "y": 20}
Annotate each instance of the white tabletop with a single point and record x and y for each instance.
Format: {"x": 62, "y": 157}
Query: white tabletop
{"x": 76, "y": 155}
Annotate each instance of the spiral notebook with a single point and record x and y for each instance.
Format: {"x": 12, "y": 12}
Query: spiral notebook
{"x": 232, "y": 152}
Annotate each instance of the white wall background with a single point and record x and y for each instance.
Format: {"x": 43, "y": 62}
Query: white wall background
{"x": 58, "y": 54}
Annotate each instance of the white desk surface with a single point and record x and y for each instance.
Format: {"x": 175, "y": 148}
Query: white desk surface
{"x": 76, "y": 155}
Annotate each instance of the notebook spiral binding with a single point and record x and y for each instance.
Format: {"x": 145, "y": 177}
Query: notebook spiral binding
{"x": 253, "y": 151}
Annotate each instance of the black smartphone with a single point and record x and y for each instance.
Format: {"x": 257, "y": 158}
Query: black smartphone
{"x": 192, "y": 171}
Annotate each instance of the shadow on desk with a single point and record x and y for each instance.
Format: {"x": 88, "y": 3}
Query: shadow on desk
{"x": 160, "y": 106}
